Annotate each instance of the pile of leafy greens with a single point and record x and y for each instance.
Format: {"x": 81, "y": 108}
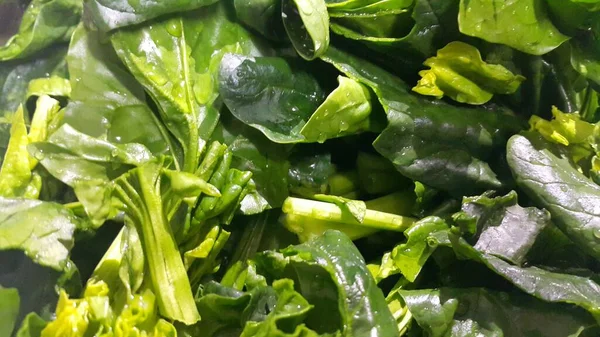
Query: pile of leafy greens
{"x": 288, "y": 168}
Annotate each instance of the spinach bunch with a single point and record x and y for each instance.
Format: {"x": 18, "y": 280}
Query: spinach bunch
{"x": 300, "y": 168}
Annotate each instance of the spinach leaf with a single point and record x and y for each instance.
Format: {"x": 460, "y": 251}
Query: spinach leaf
{"x": 330, "y": 274}
{"x": 16, "y": 75}
{"x": 499, "y": 221}
{"x": 32, "y": 326}
{"x": 546, "y": 285}
{"x": 410, "y": 257}
{"x": 179, "y": 68}
{"x": 262, "y": 15}
{"x": 411, "y": 141}
{"x": 111, "y": 14}
{"x": 307, "y": 25}
{"x": 521, "y": 24}
{"x": 553, "y": 183}
{"x": 106, "y": 100}
{"x": 44, "y": 23}
{"x": 43, "y": 230}
{"x": 9, "y": 308}
{"x": 434, "y": 25}
{"x": 452, "y": 312}
{"x": 272, "y": 95}
{"x": 459, "y": 72}
{"x": 345, "y": 111}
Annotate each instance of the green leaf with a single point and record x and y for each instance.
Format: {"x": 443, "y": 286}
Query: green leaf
{"x": 112, "y": 14}
{"x": 9, "y": 308}
{"x": 43, "y": 230}
{"x": 32, "y": 326}
{"x": 330, "y": 274}
{"x": 180, "y": 67}
{"x": 433, "y": 23}
{"x": 264, "y": 16}
{"x": 307, "y": 25}
{"x": 521, "y": 24}
{"x": 106, "y": 100}
{"x": 410, "y": 257}
{"x": 412, "y": 143}
{"x": 74, "y": 157}
{"x": 16, "y": 75}
{"x": 15, "y": 173}
{"x": 344, "y": 112}
{"x": 51, "y": 86}
{"x": 502, "y": 227}
{"x": 546, "y": 285}
{"x": 45, "y": 22}
{"x": 450, "y": 312}
{"x": 270, "y": 94}
{"x": 284, "y": 320}
{"x": 554, "y": 184}
{"x": 459, "y": 72}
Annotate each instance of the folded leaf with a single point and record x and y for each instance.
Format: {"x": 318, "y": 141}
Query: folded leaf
{"x": 410, "y": 257}
{"x": 344, "y": 112}
{"x": 520, "y": 24}
{"x": 45, "y": 22}
{"x": 459, "y": 72}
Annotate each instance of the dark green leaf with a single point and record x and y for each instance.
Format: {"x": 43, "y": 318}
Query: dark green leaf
{"x": 502, "y": 227}
{"x": 449, "y": 312}
{"x": 270, "y": 94}
{"x": 554, "y": 184}
{"x": 15, "y": 77}
{"x": 262, "y": 15}
{"x": 545, "y": 285}
{"x": 412, "y": 143}
{"x": 331, "y": 274}
{"x": 307, "y": 25}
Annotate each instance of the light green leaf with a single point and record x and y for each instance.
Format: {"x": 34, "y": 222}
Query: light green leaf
{"x": 45, "y": 22}
{"x": 459, "y": 72}
{"x": 9, "y": 309}
{"x": 43, "y": 230}
{"x": 345, "y": 111}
